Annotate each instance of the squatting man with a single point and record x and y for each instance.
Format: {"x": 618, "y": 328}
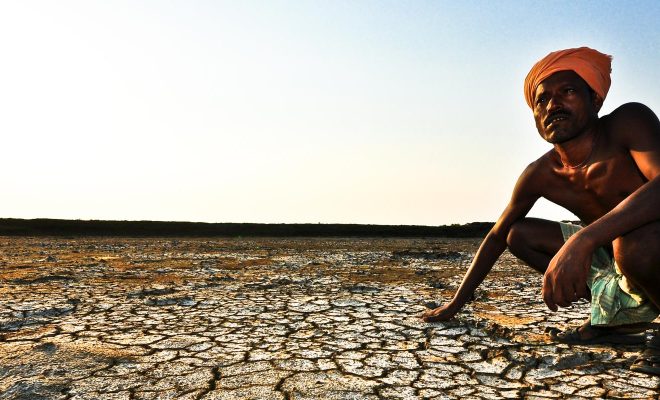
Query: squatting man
{"x": 606, "y": 171}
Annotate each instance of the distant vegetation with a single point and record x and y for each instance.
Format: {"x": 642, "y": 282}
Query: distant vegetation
{"x": 59, "y": 227}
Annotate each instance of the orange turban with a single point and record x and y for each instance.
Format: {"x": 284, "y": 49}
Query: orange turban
{"x": 592, "y": 66}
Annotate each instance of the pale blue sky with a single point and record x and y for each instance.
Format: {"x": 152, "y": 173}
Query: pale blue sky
{"x": 377, "y": 112}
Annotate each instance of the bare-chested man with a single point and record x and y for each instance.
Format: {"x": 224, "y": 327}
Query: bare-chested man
{"x": 606, "y": 170}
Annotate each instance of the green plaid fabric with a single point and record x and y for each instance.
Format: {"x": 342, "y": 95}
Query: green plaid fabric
{"x": 613, "y": 300}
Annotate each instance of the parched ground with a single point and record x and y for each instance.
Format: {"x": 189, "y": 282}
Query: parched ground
{"x": 284, "y": 319}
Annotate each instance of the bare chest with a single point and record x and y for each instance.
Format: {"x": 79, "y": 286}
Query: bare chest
{"x": 592, "y": 191}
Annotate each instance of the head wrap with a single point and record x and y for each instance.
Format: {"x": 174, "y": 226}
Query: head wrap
{"x": 591, "y": 65}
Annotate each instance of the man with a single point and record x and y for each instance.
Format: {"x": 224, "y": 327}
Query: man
{"x": 607, "y": 172}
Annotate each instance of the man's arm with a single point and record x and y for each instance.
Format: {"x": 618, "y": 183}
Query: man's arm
{"x": 637, "y": 129}
{"x": 523, "y": 198}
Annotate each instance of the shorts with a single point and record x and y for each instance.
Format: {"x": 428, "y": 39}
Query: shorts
{"x": 614, "y": 301}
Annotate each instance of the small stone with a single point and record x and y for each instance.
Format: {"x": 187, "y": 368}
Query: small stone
{"x": 399, "y": 392}
{"x": 537, "y": 376}
{"x": 400, "y": 378}
{"x": 496, "y": 382}
{"x": 563, "y": 388}
{"x": 515, "y": 373}
{"x": 493, "y": 366}
{"x": 453, "y": 331}
{"x": 591, "y": 392}
{"x": 296, "y": 364}
{"x": 254, "y": 392}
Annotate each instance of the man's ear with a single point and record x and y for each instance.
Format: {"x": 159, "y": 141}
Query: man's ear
{"x": 596, "y": 101}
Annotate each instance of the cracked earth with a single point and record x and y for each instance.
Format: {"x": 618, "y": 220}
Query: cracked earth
{"x": 284, "y": 319}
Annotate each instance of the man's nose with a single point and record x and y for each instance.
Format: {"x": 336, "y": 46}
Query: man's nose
{"x": 555, "y": 102}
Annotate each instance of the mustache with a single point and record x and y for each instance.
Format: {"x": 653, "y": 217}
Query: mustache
{"x": 557, "y": 114}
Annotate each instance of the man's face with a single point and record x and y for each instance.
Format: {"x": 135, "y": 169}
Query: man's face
{"x": 564, "y": 107}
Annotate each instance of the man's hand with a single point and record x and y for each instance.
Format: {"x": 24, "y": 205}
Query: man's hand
{"x": 442, "y": 313}
{"x": 565, "y": 280}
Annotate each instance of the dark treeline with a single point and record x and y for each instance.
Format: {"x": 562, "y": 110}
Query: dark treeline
{"x": 59, "y": 227}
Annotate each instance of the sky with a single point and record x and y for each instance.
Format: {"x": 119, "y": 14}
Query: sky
{"x": 373, "y": 112}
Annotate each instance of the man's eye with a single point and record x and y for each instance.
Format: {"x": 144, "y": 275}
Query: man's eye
{"x": 570, "y": 90}
{"x": 541, "y": 100}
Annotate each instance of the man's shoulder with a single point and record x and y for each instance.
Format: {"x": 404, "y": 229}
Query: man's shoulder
{"x": 630, "y": 120}
{"x": 629, "y": 112}
{"x": 539, "y": 168}
{"x": 541, "y": 163}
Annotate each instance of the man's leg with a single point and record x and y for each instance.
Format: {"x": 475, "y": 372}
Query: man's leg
{"x": 535, "y": 241}
{"x": 638, "y": 256}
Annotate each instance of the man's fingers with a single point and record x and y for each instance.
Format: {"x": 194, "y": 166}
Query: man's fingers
{"x": 563, "y": 303}
{"x": 430, "y": 316}
{"x": 547, "y": 294}
{"x": 555, "y": 297}
{"x": 561, "y": 297}
{"x": 582, "y": 292}
{"x": 568, "y": 297}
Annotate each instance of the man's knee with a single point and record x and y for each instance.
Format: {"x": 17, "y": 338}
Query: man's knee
{"x": 637, "y": 255}
{"x": 533, "y": 233}
{"x": 518, "y": 238}
{"x": 639, "y": 268}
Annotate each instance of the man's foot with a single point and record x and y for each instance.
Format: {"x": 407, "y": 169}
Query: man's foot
{"x": 589, "y": 334}
{"x": 649, "y": 361}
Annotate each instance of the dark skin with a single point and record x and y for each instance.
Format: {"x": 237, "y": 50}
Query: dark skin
{"x": 604, "y": 170}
